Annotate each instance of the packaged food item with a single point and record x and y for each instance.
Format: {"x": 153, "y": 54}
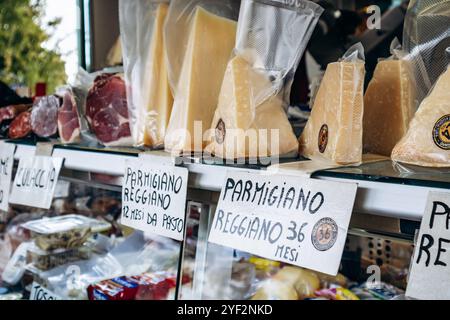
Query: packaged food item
{"x": 68, "y": 118}
{"x": 250, "y": 121}
{"x": 11, "y": 296}
{"x": 45, "y": 260}
{"x": 15, "y": 268}
{"x": 147, "y": 286}
{"x": 64, "y": 232}
{"x": 44, "y": 116}
{"x": 336, "y": 293}
{"x": 425, "y": 37}
{"x": 197, "y": 59}
{"x": 427, "y": 142}
{"x": 107, "y": 110}
{"x": 20, "y": 127}
{"x": 377, "y": 290}
{"x": 389, "y": 103}
{"x": 148, "y": 91}
{"x": 335, "y": 128}
{"x": 290, "y": 283}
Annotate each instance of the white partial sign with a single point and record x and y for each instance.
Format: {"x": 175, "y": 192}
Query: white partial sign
{"x": 35, "y": 181}
{"x": 40, "y": 293}
{"x": 430, "y": 268}
{"x": 296, "y": 220}
{"x": 154, "y": 198}
{"x": 6, "y": 166}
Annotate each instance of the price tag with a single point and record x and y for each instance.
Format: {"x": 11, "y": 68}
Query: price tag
{"x": 154, "y": 198}
{"x": 38, "y": 292}
{"x": 35, "y": 181}
{"x": 6, "y": 166}
{"x": 430, "y": 267}
{"x": 296, "y": 220}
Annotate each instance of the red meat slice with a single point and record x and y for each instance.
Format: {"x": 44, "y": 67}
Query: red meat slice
{"x": 107, "y": 110}
{"x": 44, "y": 116}
{"x": 21, "y": 126}
{"x": 68, "y": 120}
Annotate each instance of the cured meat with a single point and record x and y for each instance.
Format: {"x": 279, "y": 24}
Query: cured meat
{"x": 10, "y": 112}
{"x": 44, "y": 116}
{"x": 7, "y": 115}
{"x": 107, "y": 111}
{"x": 68, "y": 119}
{"x": 21, "y": 126}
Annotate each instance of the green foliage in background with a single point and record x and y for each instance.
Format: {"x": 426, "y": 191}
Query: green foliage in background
{"x": 23, "y": 60}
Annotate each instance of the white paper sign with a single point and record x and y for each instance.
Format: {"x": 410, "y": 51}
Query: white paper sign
{"x": 35, "y": 181}
{"x": 6, "y": 166}
{"x": 430, "y": 268}
{"x": 296, "y": 220}
{"x": 154, "y": 198}
{"x": 40, "y": 293}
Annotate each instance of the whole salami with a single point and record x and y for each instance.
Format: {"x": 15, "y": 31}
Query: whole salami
{"x": 44, "y": 116}
{"x": 21, "y": 126}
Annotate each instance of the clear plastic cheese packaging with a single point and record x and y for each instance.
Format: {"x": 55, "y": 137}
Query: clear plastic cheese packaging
{"x": 425, "y": 35}
{"x": 389, "y": 102}
{"x": 199, "y": 37}
{"x": 148, "y": 92}
{"x": 334, "y": 131}
{"x": 271, "y": 39}
{"x": 69, "y": 231}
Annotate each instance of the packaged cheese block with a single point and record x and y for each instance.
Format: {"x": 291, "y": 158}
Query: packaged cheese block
{"x": 209, "y": 47}
{"x": 242, "y": 129}
{"x": 427, "y": 142}
{"x": 388, "y": 106}
{"x": 334, "y": 129}
{"x": 160, "y": 100}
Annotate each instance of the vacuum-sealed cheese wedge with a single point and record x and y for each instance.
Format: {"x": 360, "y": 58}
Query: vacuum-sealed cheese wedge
{"x": 244, "y": 131}
{"x": 427, "y": 142}
{"x": 334, "y": 129}
{"x": 250, "y": 121}
{"x": 388, "y": 106}
{"x": 160, "y": 100}
{"x": 209, "y": 47}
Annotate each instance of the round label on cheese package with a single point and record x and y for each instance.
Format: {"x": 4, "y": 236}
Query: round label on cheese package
{"x": 441, "y": 132}
{"x": 323, "y": 138}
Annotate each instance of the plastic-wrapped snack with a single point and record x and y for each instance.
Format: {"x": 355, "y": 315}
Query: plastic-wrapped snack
{"x": 290, "y": 283}
{"x": 389, "y": 103}
{"x": 45, "y": 260}
{"x": 44, "y": 116}
{"x": 335, "y": 128}
{"x": 250, "y": 121}
{"x": 148, "y": 92}
{"x": 64, "y": 232}
{"x": 68, "y": 118}
{"x": 427, "y": 142}
{"x": 107, "y": 110}
{"x": 20, "y": 127}
{"x": 200, "y": 36}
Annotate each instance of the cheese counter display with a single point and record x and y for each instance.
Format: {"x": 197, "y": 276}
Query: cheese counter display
{"x": 237, "y": 150}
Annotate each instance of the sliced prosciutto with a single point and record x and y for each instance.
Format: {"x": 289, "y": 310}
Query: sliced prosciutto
{"x": 107, "y": 111}
{"x": 69, "y": 120}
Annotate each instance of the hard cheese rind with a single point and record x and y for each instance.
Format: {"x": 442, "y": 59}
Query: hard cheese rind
{"x": 160, "y": 100}
{"x": 388, "y": 106}
{"x": 334, "y": 129}
{"x": 427, "y": 142}
{"x": 210, "y": 44}
{"x": 242, "y": 129}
